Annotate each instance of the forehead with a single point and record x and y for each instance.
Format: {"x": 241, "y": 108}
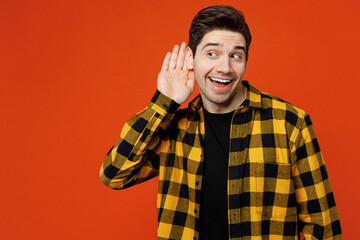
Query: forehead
{"x": 222, "y": 37}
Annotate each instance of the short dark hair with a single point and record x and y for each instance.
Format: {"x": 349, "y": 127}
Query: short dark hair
{"x": 218, "y": 17}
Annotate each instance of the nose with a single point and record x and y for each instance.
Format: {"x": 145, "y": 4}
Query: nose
{"x": 224, "y": 65}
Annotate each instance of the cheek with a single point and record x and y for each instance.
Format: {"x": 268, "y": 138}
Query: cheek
{"x": 202, "y": 68}
{"x": 240, "y": 69}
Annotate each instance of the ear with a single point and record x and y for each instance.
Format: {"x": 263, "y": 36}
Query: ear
{"x": 189, "y": 58}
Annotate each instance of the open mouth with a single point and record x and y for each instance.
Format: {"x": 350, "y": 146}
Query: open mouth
{"x": 219, "y": 80}
{"x": 220, "y": 83}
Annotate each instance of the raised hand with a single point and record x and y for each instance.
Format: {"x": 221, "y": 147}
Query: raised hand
{"x": 175, "y": 80}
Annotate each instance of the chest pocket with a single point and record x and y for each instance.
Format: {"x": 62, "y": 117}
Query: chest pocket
{"x": 275, "y": 195}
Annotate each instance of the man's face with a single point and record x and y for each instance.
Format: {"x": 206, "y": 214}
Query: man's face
{"x": 219, "y": 65}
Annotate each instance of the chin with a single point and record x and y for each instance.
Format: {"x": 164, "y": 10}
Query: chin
{"x": 220, "y": 99}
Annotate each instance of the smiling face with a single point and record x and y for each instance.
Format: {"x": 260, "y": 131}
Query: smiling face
{"x": 219, "y": 65}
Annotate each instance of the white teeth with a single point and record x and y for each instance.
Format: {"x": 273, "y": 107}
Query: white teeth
{"x": 219, "y": 80}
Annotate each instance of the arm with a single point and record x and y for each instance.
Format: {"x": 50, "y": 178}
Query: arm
{"x": 315, "y": 199}
{"x": 135, "y": 156}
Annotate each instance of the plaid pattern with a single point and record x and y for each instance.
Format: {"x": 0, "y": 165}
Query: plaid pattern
{"x": 277, "y": 181}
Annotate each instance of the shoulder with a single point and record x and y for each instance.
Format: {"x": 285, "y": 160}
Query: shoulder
{"x": 268, "y": 103}
{"x": 282, "y": 110}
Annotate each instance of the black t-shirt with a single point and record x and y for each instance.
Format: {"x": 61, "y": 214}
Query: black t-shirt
{"x": 213, "y": 203}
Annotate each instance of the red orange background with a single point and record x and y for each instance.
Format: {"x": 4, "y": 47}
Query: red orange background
{"x": 72, "y": 72}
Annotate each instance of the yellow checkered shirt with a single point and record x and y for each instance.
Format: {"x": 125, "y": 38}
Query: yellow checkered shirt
{"x": 277, "y": 181}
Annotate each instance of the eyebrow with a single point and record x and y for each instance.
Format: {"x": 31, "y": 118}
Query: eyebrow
{"x": 218, "y": 44}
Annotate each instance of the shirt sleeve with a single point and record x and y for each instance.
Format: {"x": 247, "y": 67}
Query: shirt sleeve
{"x": 135, "y": 156}
{"x": 317, "y": 211}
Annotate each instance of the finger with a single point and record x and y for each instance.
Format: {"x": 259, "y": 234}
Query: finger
{"x": 181, "y": 57}
{"x": 173, "y": 58}
{"x": 166, "y": 61}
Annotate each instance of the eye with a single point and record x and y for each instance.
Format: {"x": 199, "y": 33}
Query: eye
{"x": 236, "y": 56}
{"x": 211, "y": 54}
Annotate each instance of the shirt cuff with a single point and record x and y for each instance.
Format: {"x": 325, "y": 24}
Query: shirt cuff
{"x": 166, "y": 104}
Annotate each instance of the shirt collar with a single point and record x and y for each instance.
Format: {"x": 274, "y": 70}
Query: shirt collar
{"x": 253, "y": 98}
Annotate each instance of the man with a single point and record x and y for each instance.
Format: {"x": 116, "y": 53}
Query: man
{"x": 237, "y": 163}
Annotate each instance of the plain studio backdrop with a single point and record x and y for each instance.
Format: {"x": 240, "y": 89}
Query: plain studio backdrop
{"x": 72, "y": 72}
